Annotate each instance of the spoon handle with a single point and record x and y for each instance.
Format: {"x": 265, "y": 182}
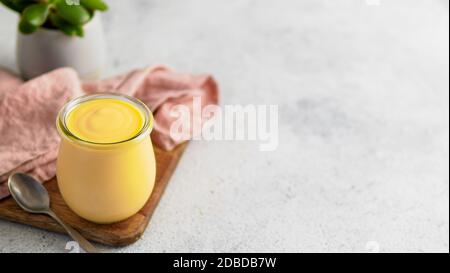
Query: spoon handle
{"x": 85, "y": 244}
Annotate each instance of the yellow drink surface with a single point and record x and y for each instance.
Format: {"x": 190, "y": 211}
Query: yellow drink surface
{"x": 105, "y": 121}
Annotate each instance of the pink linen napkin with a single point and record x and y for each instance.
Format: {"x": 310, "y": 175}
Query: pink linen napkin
{"x": 28, "y": 137}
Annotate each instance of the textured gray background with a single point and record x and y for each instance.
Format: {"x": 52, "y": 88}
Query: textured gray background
{"x": 363, "y": 93}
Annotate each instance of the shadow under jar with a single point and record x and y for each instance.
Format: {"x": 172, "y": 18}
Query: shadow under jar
{"x": 106, "y": 164}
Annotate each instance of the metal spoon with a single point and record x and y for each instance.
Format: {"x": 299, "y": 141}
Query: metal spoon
{"x": 33, "y": 197}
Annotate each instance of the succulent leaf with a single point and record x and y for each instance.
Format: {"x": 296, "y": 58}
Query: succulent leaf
{"x": 36, "y": 14}
{"x": 66, "y": 27}
{"x": 74, "y": 14}
{"x": 94, "y": 4}
{"x": 25, "y": 27}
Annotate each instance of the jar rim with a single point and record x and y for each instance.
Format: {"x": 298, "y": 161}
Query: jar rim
{"x": 69, "y": 106}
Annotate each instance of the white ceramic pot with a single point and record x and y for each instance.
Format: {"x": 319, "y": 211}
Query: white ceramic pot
{"x": 48, "y": 49}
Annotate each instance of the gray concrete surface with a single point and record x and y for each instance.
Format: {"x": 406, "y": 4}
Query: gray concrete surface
{"x": 363, "y": 92}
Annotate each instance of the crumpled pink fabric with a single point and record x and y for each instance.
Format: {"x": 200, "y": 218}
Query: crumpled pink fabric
{"x": 28, "y": 111}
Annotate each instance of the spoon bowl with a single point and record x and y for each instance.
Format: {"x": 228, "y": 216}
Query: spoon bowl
{"x": 31, "y": 196}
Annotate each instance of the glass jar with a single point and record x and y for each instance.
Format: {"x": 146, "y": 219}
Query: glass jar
{"x": 105, "y": 182}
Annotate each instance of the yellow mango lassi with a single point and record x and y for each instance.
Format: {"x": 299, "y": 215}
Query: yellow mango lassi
{"x": 106, "y": 165}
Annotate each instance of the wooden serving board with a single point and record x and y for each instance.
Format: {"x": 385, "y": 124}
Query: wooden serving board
{"x": 118, "y": 234}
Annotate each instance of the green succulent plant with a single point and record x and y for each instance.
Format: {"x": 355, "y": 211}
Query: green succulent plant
{"x": 69, "y": 16}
